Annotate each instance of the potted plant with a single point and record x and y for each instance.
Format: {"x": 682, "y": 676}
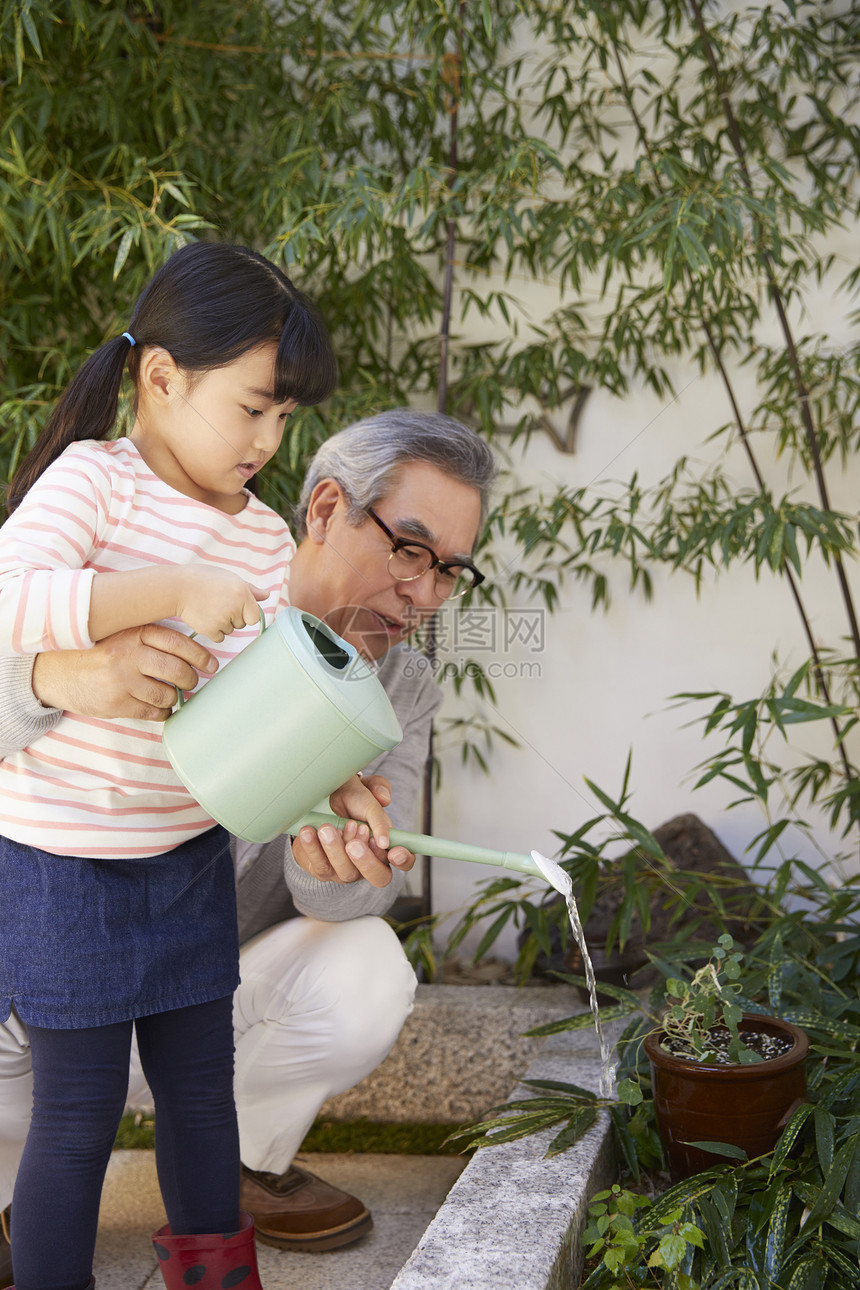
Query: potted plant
{"x": 721, "y": 1077}
{"x": 725, "y": 1082}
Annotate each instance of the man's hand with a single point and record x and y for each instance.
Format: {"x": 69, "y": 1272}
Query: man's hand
{"x": 334, "y": 856}
{"x": 130, "y": 674}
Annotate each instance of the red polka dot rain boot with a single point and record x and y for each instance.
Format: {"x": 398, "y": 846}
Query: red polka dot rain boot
{"x": 212, "y": 1262}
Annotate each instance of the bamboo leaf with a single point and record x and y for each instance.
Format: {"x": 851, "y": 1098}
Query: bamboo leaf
{"x": 125, "y": 245}
{"x": 578, "y": 1125}
{"x": 727, "y": 1149}
{"x": 492, "y": 933}
{"x": 776, "y": 1233}
{"x": 825, "y": 1131}
{"x": 834, "y": 1181}
{"x": 558, "y": 1087}
{"x": 581, "y": 1021}
{"x": 789, "y": 1136}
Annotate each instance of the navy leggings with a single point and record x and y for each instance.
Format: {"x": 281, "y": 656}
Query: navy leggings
{"x": 80, "y": 1082}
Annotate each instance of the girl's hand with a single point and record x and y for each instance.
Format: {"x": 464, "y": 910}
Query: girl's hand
{"x": 214, "y": 602}
{"x": 343, "y": 857}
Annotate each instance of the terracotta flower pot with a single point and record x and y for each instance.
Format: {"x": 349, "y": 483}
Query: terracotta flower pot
{"x": 747, "y": 1106}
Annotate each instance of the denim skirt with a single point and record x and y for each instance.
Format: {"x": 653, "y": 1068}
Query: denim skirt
{"x": 88, "y": 942}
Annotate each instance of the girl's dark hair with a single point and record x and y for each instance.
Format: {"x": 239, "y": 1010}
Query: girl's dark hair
{"x": 207, "y": 306}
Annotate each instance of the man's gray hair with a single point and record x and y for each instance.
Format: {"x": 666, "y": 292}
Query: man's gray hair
{"x": 366, "y": 458}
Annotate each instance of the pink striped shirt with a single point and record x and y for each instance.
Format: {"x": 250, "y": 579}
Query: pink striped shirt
{"x": 105, "y": 788}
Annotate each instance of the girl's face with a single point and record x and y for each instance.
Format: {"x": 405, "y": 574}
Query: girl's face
{"x": 207, "y": 435}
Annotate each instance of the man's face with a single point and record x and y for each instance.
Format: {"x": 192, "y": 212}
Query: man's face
{"x": 349, "y": 585}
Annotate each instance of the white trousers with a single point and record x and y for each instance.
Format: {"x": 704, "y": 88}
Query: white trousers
{"x": 318, "y": 1008}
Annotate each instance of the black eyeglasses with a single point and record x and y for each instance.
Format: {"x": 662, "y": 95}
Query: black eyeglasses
{"x": 409, "y": 560}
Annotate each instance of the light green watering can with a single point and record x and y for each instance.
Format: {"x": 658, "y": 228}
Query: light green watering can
{"x": 280, "y": 727}
{"x": 283, "y": 725}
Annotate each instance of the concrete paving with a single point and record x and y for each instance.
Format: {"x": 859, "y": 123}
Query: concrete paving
{"x": 402, "y": 1192}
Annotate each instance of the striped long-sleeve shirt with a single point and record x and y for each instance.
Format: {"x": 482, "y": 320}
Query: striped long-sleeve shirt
{"x": 92, "y": 787}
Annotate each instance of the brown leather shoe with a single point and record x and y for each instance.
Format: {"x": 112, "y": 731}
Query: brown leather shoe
{"x": 298, "y": 1211}
{"x": 6, "y": 1272}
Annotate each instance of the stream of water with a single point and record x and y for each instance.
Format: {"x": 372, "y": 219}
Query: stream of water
{"x": 561, "y": 880}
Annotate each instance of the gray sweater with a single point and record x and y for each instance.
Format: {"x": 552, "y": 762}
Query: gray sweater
{"x": 272, "y": 887}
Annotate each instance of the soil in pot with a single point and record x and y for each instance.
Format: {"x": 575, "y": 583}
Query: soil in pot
{"x": 716, "y": 1053}
{"x": 745, "y": 1106}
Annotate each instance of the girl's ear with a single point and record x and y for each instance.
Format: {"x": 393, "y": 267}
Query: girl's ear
{"x": 322, "y": 508}
{"x": 156, "y": 373}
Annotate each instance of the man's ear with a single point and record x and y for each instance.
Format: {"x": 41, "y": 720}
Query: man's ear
{"x": 156, "y": 374}
{"x": 322, "y": 507}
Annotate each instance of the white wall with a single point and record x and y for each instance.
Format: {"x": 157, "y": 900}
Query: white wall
{"x": 606, "y": 677}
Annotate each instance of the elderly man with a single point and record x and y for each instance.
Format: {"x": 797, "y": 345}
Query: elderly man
{"x": 387, "y": 522}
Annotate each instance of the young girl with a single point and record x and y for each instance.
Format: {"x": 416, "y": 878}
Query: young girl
{"x": 118, "y": 892}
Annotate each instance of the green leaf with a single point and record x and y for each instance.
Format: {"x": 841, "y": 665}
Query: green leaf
{"x": 727, "y": 1149}
{"x": 776, "y": 1231}
{"x": 636, "y": 830}
{"x": 834, "y": 1181}
{"x": 669, "y": 1252}
{"x": 825, "y": 1130}
{"x": 606, "y": 987}
{"x": 492, "y": 933}
{"x": 580, "y": 1021}
{"x": 577, "y": 1125}
{"x": 629, "y": 1092}
{"x": 125, "y": 245}
{"x": 552, "y": 1085}
{"x": 852, "y": 1182}
{"x": 789, "y": 1136}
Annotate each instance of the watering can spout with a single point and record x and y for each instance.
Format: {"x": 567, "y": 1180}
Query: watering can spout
{"x": 534, "y": 865}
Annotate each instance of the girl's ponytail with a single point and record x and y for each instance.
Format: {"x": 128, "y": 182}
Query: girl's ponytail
{"x": 207, "y": 305}
{"x": 87, "y": 409}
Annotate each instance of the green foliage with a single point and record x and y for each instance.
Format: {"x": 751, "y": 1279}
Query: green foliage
{"x": 614, "y": 1238}
{"x": 135, "y": 1133}
{"x": 744, "y": 1226}
{"x": 710, "y": 998}
{"x": 418, "y": 946}
{"x": 635, "y": 880}
{"x": 553, "y": 1103}
{"x": 669, "y": 175}
{"x": 786, "y": 1219}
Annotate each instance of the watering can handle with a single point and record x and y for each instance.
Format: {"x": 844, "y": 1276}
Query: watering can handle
{"x": 422, "y": 843}
{"x": 180, "y": 697}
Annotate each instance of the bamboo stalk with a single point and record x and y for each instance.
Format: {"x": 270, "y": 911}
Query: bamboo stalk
{"x": 453, "y": 65}
{"x": 818, "y": 667}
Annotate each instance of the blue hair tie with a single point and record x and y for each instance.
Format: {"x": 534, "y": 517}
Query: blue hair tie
{"x": 129, "y": 338}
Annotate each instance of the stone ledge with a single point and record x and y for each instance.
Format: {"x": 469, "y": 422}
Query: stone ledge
{"x": 460, "y": 1052}
{"x": 513, "y": 1220}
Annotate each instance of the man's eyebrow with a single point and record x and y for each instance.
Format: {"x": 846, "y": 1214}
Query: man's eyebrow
{"x": 415, "y": 528}
{"x": 409, "y": 527}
